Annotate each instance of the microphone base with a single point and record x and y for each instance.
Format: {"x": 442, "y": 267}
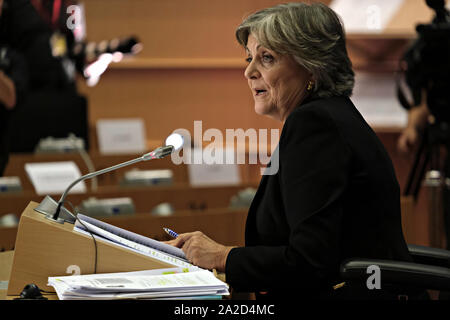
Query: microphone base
{"x": 48, "y": 207}
{"x": 58, "y": 220}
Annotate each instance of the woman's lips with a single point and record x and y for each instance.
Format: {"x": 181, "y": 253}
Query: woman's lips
{"x": 260, "y": 92}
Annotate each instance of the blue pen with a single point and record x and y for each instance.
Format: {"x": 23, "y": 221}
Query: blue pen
{"x": 171, "y": 233}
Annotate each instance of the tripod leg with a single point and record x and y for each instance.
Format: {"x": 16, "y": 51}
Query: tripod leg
{"x": 417, "y": 171}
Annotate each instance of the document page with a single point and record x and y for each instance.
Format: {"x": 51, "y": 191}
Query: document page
{"x": 169, "y": 282}
{"x": 134, "y": 237}
{"x": 106, "y": 236}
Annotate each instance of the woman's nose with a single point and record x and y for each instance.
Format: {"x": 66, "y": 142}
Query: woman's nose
{"x": 251, "y": 72}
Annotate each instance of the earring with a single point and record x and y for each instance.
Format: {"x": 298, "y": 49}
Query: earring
{"x": 310, "y": 85}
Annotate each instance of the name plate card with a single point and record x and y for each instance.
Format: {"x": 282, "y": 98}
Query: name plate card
{"x": 121, "y": 136}
{"x": 54, "y": 177}
{"x": 207, "y": 173}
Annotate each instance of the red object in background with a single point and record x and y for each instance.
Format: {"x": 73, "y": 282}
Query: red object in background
{"x": 53, "y": 12}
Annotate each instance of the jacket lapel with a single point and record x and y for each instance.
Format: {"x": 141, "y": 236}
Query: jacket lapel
{"x": 250, "y": 223}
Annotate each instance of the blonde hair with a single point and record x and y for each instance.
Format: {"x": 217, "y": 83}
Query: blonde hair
{"x": 313, "y": 35}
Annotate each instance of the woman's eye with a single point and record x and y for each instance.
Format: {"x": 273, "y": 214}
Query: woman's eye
{"x": 249, "y": 59}
{"x": 267, "y": 58}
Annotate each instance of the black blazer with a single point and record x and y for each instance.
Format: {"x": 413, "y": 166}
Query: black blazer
{"x": 335, "y": 196}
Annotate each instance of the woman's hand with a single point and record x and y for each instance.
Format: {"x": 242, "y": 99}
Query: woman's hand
{"x": 408, "y": 140}
{"x": 417, "y": 120}
{"x": 202, "y": 251}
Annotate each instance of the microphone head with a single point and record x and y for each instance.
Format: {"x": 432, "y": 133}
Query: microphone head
{"x": 161, "y": 152}
{"x": 158, "y": 153}
{"x": 176, "y": 140}
{"x": 173, "y": 142}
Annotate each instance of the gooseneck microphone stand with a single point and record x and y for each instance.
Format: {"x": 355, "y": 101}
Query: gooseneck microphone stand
{"x": 52, "y": 210}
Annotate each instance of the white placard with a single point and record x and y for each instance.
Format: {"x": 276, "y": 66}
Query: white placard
{"x": 54, "y": 177}
{"x": 201, "y": 173}
{"x": 375, "y": 97}
{"x": 121, "y": 136}
{"x": 366, "y": 16}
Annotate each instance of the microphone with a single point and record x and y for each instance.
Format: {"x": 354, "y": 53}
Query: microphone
{"x": 49, "y": 203}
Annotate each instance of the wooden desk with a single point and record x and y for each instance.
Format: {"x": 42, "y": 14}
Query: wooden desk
{"x": 5, "y": 264}
{"x": 224, "y": 225}
{"x": 250, "y": 173}
{"x": 16, "y": 166}
{"x": 181, "y": 196}
{"x": 191, "y": 203}
{"x": 6, "y": 259}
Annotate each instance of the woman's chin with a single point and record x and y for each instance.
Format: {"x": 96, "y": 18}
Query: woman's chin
{"x": 264, "y": 110}
{"x": 261, "y": 109}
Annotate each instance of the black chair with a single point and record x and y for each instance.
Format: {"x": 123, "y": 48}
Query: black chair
{"x": 430, "y": 270}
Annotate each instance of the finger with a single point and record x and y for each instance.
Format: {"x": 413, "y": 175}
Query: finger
{"x": 182, "y": 238}
{"x": 178, "y": 242}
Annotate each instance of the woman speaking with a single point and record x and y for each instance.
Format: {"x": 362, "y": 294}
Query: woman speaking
{"x": 335, "y": 195}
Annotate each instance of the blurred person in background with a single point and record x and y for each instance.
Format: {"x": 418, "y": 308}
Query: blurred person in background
{"x": 61, "y": 53}
{"x": 20, "y": 29}
{"x": 422, "y": 88}
{"x": 53, "y": 106}
{"x": 411, "y": 134}
{"x": 419, "y": 117}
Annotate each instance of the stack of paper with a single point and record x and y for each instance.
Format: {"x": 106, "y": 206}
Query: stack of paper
{"x": 172, "y": 283}
{"x": 131, "y": 241}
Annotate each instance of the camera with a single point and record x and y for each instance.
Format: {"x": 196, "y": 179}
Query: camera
{"x": 427, "y": 64}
